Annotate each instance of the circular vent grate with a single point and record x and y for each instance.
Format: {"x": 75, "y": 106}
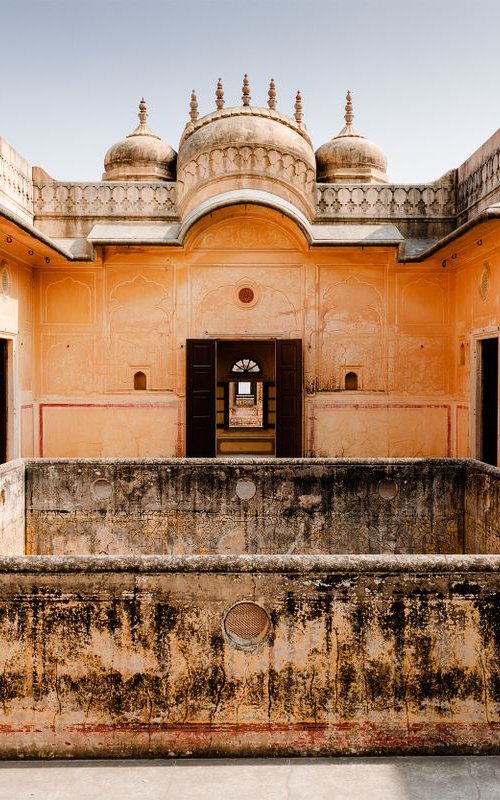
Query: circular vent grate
{"x": 246, "y": 624}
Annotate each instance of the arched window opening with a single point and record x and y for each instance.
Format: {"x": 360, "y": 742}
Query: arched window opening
{"x": 351, "y": 382}
{"x": 140, "y": 381}
{"x": 245, "y": 365}
{"x": 462, "y": 354}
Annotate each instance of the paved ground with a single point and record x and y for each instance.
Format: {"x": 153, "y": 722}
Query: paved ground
{"x": 451, "y": 778}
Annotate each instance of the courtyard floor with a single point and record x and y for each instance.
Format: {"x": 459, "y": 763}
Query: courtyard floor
{"x": 412, "y": 778}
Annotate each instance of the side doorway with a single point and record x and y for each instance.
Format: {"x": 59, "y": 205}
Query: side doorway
{"x": 244, "y": 397}
{"x": 486, "y": 400}
{"x": 4, "y": 399}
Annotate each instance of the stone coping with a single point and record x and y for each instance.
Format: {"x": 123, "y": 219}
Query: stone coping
{"x": 243, "y": 461}
{"x": 469, "y": 464}
{"x": 258, "y": 564}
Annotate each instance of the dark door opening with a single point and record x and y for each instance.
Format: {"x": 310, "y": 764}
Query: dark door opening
{"x": 246, "y": 390}
{"x": 488, "y": 405}
{"x": 244, "y": 397}
{"x": 3, "y": 399}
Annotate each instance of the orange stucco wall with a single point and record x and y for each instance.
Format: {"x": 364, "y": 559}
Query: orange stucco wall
{"x": 17, "y": 326}
{"x": 81, "y": 331}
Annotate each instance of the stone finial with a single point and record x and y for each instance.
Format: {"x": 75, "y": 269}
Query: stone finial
{"x": 219, "y": 95}
{"x": 349, "y": 114}
{"x": 298, "y": 108}
{"x": 143, "y": 112}
{"x": 246, "y": 91}
{"x": 193, "y": 107}
{"x": 143, "y": 128}
{"x": 272, "y": 95}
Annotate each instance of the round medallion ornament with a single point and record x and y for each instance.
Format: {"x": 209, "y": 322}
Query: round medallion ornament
{"x": 246, "y": 295}
{"x": 5, "y": 282}
{"x": 484, "y": 281}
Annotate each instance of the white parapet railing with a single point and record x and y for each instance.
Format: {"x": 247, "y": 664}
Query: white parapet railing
{"x": 107, "y": 199}
{"x": 386, "y": 201}
{"x": 16, "y": 183}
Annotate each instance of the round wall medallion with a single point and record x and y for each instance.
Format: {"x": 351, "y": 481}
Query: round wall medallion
{"x": 101, "y": 489}
{"x": 245, "y": 489}
{"x": 246, "y": 625}
{"x": 246, "y": 295}
{"x": 388, "y": 489}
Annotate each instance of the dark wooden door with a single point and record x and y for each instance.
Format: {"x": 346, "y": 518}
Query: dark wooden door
{"x": 200, "y": 398}
{"x": 289, "y": 398}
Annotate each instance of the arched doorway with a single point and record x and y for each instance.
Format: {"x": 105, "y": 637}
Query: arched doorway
{"x": 244, "y": 397}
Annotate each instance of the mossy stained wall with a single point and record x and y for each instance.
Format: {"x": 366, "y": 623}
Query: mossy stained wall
{"x": 285, "y": 506}
{"x": 364, "y": 654}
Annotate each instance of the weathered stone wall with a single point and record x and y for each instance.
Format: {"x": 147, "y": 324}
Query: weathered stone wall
{"x": 362, "y": 654}
{"x": 12, "y": 508}
{"x": 285, "y": 506}
{"x": 482, "y": 509}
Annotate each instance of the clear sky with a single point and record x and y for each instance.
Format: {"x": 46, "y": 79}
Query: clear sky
{"x": 425, "y": 74}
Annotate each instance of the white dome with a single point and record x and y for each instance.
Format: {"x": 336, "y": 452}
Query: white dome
{"x": 141, "y": 156}
{"x": 351, "y": 158}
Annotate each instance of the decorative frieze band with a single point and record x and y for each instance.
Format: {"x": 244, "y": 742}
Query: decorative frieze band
{"x": 113, "y": 199}
{"x": 246, "y": 160}
{"x": 339, "y": 201}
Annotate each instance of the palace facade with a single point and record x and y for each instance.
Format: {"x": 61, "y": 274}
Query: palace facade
{"x": 249, "y": 295}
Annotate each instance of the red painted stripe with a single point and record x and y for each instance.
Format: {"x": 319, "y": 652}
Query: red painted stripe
{"x": 24, "y": 407}
{"x": 240, "y": 727}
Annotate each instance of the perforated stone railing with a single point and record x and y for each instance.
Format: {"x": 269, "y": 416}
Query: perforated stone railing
{"x": 445, "y": 199}
{"x": 480, "y": 188}
{"x": 424, "y": 201}
{"x": 118, "y": 199}
{"x": 16, "y": 187}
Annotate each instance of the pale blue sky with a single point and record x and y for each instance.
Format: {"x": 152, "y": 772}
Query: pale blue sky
{"x": 424, "y": 73}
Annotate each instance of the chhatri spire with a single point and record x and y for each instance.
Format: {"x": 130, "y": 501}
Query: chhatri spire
{"x": 272, "y": 95}
{"x": 349, "y": 114}
{"x": 143, "y": 128}
{"x": 219, "y": 95}
{"x": 349, "y": 129}
{"x": 245, "y": 97}
{"x": 143, "y": 112}
{"x": 298, "y": 108}
{"x": 193, "y": 107}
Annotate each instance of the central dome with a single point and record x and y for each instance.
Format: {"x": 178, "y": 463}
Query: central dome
{"x": 246, "y": 147}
